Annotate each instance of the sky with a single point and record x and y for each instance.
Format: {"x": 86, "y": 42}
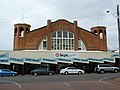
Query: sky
{"x": 88, "y": 13}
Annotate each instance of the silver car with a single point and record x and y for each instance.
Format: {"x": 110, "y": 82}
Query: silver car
{"x": 71, "y": 70}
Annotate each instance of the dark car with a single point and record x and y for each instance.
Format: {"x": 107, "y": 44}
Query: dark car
{"x": 7, "y": 72}
{"x": 42, "y": 71}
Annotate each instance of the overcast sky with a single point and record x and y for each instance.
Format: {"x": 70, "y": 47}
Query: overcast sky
{"x": 88, "y": 13}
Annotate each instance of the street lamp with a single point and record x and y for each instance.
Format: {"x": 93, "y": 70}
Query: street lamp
{"x": 118, "y": 23}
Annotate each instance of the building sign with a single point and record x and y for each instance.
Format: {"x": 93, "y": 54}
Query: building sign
{"x": 64, "y": 60}
{"x": 80, "y": 60}
{"x": 5, "y": 55}
{"x": 4, "y": 59}
{"x": 45, "y": 60}
{"x": 65, "y": 55}
{"x": 16, "y": 60}
{"x": 33, "y": 61}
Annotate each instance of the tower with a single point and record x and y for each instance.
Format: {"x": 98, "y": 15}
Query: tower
{"x": 20, "y": 31}
{"x": 100, "y": 31}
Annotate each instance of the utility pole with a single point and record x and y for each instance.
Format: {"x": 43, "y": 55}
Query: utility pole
{"x": 118, "y": 22}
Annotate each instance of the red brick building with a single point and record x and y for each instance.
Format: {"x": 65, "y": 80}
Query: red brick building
{"x": 59, "y": 35}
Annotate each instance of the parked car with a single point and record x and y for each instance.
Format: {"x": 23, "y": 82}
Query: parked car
{"x": 71, "y": 70}
{"x": 7, "y": 72}
{"x": 102, "y": 68}
{"x": 42, "y": 71}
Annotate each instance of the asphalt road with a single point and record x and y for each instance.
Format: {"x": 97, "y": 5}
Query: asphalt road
{"x": 92, "y": 81}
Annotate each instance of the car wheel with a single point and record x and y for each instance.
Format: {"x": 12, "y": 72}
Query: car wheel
{"x": 102, "y": 71}
{"x": 66, "y": 73}
{"x": 116, "y": 71}
{"x": 35, "y": 74}
{"x": 50, "y": 74}
{"x": 79, "y": 72}
{"x": 13, "y": 75}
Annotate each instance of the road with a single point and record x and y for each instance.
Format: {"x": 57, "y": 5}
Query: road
{"x": 91, "y": 81}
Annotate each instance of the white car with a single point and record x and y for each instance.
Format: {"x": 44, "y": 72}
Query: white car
{"x": 71, "y": 70}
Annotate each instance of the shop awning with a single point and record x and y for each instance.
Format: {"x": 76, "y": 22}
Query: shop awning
{"x": 96, "y": 60}
{"x": 109, "y": 60}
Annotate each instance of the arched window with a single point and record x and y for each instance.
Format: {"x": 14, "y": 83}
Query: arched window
{"x": 62, "y": 40}
{"x": 81, "y": 45}
{"x": 101, "y": 35}
{"x": 43, "y": 44}
{"x": 21, "y": 32}
{"x": 15, "y": 32}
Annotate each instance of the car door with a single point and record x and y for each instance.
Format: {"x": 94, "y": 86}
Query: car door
{"x": 74, "y": 70}
{"x": 108, "y": 68}
{"x": 70, "y": 70}
{"x": 6, "y": 72}
{"x": 44, "y": 71}
{"x": 40, "y": 71}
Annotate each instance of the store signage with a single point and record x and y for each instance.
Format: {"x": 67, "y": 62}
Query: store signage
{"x": 80, "y": 60}
{"x": 4, "y": 60}
{"x": 30, "y": 60}
{"x": 5, "y": 55}
{"x": 45, "y": 60}
{"x": 16, "y": 60}
{"x": 64, "y": 55}
{"x": 64, "y": 60}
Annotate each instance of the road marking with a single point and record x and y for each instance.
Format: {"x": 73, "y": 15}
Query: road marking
{"x": 66, "y": 84}
{"x": 13, "y": 83}
{"x": 101, "y": 80}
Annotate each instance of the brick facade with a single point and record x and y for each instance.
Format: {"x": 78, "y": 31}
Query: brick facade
{"x": 24, "y": 39}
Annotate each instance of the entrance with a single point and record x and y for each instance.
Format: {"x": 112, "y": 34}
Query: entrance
{"x": 17, "y": 67}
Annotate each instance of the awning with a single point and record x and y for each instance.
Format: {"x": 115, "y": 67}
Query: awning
{"x": 115, "y": 55}
{"x": 95, "y": 60}
{"x": 109, "y": 60}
